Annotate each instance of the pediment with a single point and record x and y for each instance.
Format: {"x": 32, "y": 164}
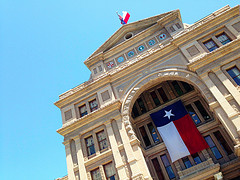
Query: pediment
{"x": 133, "y": 29}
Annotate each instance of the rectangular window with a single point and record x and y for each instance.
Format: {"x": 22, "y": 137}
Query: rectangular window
{"x": 213, "y": 147}
{"x": 223, "y": 38}
{"x": 153, "y": 133}
{"x": 90, "y": 145}
{"x": 177, "y": 88}
{"x": 83, "y": 110}
{"x": 171, "y": 28}
{"x": 155, "y": 98}
{"x": 96, "y": 175}
{"x": 202, "y": 110}
{"x": 196, "y": 158}
{"x": 110, "y": 171}
{"x": 186, "y": 162}
{"x": 135, "y": 112}
{"x": 157, "y": 169}
{"x": 145, "y": 136}
{"x": 93, "y": 105}
{"x": 193, "y": 114}
{"x": 163, "y": 95}
{"x": 102, "y": 140}
{"x": 210, "y": 45}
{"x": 168, "y": 166}
{"x": 223, "y": 143}
{"x": 141, "y": 105}
{"x": 178, "y": 25}
{"x": 235, "y": 74}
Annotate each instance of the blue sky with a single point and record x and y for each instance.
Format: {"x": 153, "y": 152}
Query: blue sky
{"x": 42, "y": 48}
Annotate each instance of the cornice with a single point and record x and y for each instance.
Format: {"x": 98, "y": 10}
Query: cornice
{"x": 76, "y": 123}
{"x": 216, "y": 54}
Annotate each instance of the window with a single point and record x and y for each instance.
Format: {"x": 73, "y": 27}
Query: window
{"x": 157, "y": 168}
{"x": 186, "y": 162}
{"x": 153, "y": 133}
{"x": 193, "y": 114}
{"x": 95, "y": 70}
{"x": 213, "y": 147}
{"x": 163, "y": 95}
{"x": 171, "y": 28}
{"x": 96, "y": 175}
{"x": 177, "y": 88}
{"x": 210, "y": 45}
{"x": 102, "y": 141}
{"x": 141, "y": 105}
{"x": 90, "y": 146}
{"x": 93, "y": 105}
{"x": 155, "y": 98}
{"x": 110, "y": 171}
{"x": 178, "y": 25}
{"x": 83, "y": 110}
{"x": 235, "y": 74}
{"x": 168, "y": 166}
{"x": 198, "y": 112}
{"x": 145, "y": 136}
{"x": 196, "y": 158}
{"x": 223, "y": 143}
{"x": 223, "y": 38}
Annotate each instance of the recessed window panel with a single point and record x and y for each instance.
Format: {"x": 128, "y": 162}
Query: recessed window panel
{"x": 168, "y": 167}
{"x": 223, "y": 38}
{"x": 186, "y": 162}
{"x": 90, "y": 145}
{"x": 235, "y": 74}
{"x": 223, "y": 143}
{"x": 93, "y": 105}
{"x": 96, "y": 175}
{"x": 145, "y": 136}
{"x": 110, "y": 171}
{"x": 213, "y": 147}
{"x": 141, "y": 105}
{"x": 202, "y": 110}
{"x": 196, "y": 158}
{"x": 163, "y": 95}
{"x": 210, "y": 45}
{"x": 177, "y": 88}
{"x": 83, "y": 110}
{"x": 155, "y": 98}
{"x": 193, "y": 114}
{"x": 157, "y": 168}
{"x": 153, "y": 133}
{"x": 102, "y": 141}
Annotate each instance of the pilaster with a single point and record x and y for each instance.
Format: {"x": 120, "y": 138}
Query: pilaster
{"x": 70, "y": 166}
{"x": 81, "y": 166}
{"x": 133, "y": 163}
{"x": 116, "y": 154}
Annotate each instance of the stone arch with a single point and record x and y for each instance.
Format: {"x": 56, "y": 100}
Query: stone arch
{"x": 154, "y": 78}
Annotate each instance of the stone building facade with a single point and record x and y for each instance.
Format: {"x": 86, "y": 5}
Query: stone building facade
{"x": 143, "y": 67}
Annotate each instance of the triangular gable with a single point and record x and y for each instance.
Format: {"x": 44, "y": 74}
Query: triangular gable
{"x": 134, "y": 27}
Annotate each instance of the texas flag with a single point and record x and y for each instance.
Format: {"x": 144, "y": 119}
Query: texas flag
{"x": 124, "y": 18}
{"x": 178, "y": 131}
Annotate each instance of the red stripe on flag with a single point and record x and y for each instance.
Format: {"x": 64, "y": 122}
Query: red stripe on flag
{"x": 190, "y": 134}
{"x": 126, "y": 18}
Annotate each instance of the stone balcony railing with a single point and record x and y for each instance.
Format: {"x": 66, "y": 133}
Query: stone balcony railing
{"x": 203, "y": 170}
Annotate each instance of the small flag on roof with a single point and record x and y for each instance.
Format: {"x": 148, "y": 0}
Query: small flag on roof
{"x": 124, "y": 19}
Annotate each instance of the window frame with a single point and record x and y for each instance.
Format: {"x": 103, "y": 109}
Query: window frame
{"x": 79, "y": 109}
{"x": 94, "y": 108}
{"x": 101, "y": 150}
{"x": 230, "y": 77}
{"x": 113, "y": 166}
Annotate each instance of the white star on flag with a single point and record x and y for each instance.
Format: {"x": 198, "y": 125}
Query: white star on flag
{"x": 168, "y": 114}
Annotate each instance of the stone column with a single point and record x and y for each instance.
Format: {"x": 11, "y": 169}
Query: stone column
{"x": 116, "y": 153}
{"x": 70, "y": 166}
{"x": 228, "y": 84}
{"x": 133, "y": 163}
{"x": 231, "y": 113}
{"x": 81, "y": 166}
